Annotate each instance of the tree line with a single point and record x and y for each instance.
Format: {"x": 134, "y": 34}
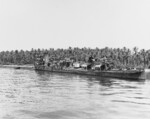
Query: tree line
{"x": 121, "y": 57}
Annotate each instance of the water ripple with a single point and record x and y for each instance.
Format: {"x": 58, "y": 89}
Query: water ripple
{"x": 30, "y": 94}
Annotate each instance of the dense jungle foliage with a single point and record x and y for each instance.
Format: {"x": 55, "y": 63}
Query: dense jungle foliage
{"x": 122, "y": 57}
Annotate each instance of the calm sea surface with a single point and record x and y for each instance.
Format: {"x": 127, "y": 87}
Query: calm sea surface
{"x": 26, "y": 94}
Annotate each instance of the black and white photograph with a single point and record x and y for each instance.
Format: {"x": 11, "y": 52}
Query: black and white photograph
{"x": 74, "y": 59}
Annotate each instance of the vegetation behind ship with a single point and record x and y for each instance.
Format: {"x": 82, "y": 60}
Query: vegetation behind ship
{"x": 121, "y": 58}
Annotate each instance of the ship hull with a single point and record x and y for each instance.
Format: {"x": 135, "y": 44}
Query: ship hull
{"x": 133, "y": 75}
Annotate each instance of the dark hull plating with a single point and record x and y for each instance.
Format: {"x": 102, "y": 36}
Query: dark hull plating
{"x": 133, "y": 75}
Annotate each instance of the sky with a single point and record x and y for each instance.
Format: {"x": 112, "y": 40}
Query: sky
{"x": 26, "y": 24}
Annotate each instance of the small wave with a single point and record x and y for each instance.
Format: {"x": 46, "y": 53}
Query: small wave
{"x": 123, "y": 101}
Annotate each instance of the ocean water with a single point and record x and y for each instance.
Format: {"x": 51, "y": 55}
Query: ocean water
{"x": 26, "y": 94}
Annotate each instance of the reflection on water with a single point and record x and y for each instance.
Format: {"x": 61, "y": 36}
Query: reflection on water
{"x": 28, "y": 94}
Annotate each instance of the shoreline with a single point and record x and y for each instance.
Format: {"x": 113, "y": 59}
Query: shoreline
{"x": 29, "y": 67}
{"x": 33, "y": 68}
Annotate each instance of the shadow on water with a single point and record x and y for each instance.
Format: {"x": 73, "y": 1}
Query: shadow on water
{"x": 59, "y": 114}
{"x": 108, "y": 82}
